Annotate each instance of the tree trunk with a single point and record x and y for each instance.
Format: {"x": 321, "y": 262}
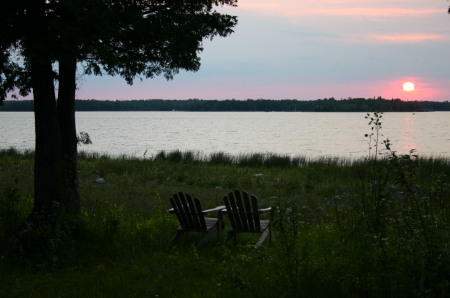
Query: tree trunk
{"x": 66, "y": 117}
{"x": 56, "y": 195}
{"x": 48, "y": 145}
{"x": 40, "y": 233}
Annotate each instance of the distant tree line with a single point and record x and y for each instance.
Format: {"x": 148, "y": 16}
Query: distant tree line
{"x": 259, "y": 105}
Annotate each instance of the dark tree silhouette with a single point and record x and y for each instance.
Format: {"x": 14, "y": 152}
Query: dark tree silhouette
{"x": 43, "y": 43}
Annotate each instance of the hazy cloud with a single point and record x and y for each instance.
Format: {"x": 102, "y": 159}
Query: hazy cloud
{"x": 289, "y": 8}
{"x": 407, "y": 38}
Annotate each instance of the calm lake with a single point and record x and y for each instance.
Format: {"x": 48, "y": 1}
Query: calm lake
{"x": 295, "y": 133}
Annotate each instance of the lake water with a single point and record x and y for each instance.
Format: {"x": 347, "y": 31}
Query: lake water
{"x": 293, "y": 133}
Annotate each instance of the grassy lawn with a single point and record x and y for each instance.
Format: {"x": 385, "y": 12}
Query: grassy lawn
{"x": 343, "y": 228}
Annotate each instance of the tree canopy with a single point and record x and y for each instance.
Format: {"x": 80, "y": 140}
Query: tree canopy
{"x": 129, "y": 38}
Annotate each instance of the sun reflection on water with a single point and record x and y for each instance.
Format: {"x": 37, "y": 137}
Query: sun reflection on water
{"x": 408, "y": 134}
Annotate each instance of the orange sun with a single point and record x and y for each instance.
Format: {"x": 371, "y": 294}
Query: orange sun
{"x": 408, "y": 86}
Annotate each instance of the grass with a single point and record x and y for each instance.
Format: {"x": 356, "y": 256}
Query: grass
{"x": 363, "y": 228}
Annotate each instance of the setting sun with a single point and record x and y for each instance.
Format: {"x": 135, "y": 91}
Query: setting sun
{"x": 408, "y": 86}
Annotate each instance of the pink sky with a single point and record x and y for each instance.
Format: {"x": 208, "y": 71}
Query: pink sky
{"x": 312, "y": 49}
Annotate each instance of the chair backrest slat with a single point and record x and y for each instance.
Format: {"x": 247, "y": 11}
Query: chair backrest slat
{"x": 248, "y": 212}
{"x": 175, "y": 201}
{"x": 240, "y": 197}
{"x": 198, "y": 211}
{"x": 232, "y": 210}
{"x": 188, "y": 210}
{"x": 255, "y": 212}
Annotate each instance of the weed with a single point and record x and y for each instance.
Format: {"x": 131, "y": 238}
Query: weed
{"x": 374, "y": 135}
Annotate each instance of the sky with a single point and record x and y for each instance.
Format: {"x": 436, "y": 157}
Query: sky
{"x": 310, "y": 49}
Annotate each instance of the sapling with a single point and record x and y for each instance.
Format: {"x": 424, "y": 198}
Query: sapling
{"x": 375, "y": 123}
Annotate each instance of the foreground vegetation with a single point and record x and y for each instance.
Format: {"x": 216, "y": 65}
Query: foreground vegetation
{"x": 370, "y": 228}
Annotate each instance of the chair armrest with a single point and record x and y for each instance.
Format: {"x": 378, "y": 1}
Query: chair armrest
{"x": 265, "y": 210}
{"x": 260, "y": 210}
{"x": 219, "y": 208}
{"x": 171, "y": 210}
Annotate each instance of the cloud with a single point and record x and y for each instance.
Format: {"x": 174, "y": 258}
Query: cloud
{"x": 372, "y": 12}
{"x": 292, "y": 8}
{"x": 409, "y": 38}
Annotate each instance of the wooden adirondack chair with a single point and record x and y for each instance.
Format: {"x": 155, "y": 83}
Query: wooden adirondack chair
{"x": 243, "y": 213}
{"x": 190, "y": 214}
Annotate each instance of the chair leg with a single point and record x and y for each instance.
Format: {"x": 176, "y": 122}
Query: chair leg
{"x": 205, "y": 239}
{"x": 263, "y": 237}
{"x": 176, "y": 237}
{"x": 220, "y": 228}
{"x": 231, "y": 234}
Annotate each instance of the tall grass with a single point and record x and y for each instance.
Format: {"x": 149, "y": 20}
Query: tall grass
{"x": 253, "y": 159}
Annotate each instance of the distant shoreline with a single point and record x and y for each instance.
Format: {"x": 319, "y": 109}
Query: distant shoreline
{"x": 249, "y": 105}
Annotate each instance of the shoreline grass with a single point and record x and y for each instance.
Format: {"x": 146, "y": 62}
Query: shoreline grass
{"x": 344, "y": 228}
{"x": 254, "y": 159}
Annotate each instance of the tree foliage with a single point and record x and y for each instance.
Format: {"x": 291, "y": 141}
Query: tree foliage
{"x": 143, "y": 38}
